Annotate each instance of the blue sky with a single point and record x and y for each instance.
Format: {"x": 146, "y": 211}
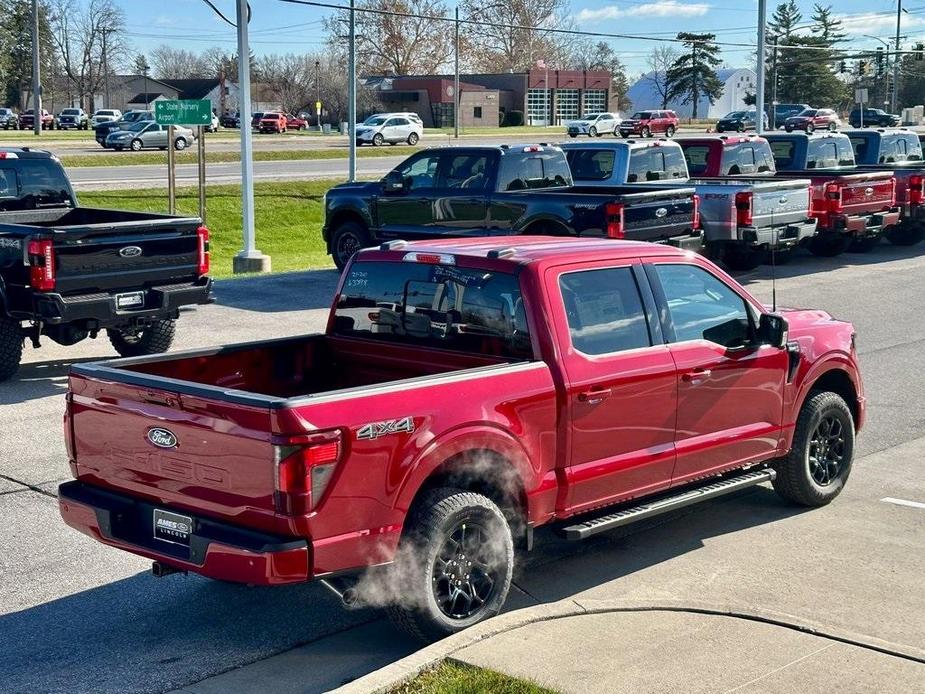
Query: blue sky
{"x": 282, "y": 27}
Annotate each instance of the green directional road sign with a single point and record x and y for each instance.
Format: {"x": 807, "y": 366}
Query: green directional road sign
{"x": 189, "y": 112}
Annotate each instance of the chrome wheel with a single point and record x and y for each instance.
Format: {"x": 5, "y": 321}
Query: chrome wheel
{"x": 826, "y": 450}
{"x": 464, "y": 573}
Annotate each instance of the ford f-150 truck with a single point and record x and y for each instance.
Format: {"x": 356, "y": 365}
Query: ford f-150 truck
{"x": 68, "y": 272}
{"x": 493, "y": 191}
{"x": 742, "y": 218}
{"x": 899, "y": 152}
{"x": 465, "y": 393}
{"x": 854, "y": 207}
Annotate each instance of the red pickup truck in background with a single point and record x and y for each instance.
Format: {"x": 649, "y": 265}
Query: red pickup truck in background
{"x": 465, "y": 393}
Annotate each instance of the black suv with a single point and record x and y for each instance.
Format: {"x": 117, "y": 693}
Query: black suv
{"x": 873, "y": 116}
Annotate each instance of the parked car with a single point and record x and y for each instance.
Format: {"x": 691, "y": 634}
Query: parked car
{"x": 813, "y": 119}
{"x": 465, "y": 393}
{"x": 272, "y": 122}
{"x": 854, "y": 207}
{"x": 594, "y": 125}
{"x": 413, "y": 117}
{"x": 783, "y": 111}
{"x": 742, "y": 218}
{"x": 103, "y": 130}
{"x": 214, "y": 124}
{"x": 27, "y": 122}
{"x": 495, "y": 190}
{"x": 873, "y": 116}
{"x": 73, "y": 118}
{"x": 230, "y": 120}
{"x": 900, "y": 152}
{"x": 391, "y": 129}
{"x": 649, "y": 123}
{"x": 739, "y": 121}
{"x": 295, "y": 122}
{"x": 9, "y": 119}
{"x": 68, "y": 272}
{"x": 149, "y": 135}
{"x": 105, "y": 115}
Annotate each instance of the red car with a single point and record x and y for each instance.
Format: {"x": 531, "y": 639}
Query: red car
{"x": 649, "y": 123}
{"x": 295, "y": 123}
{"x": 466, "y": 392}
{"x": 27, "y": 121}
{"x": 272, "y": 122}
{"x": 812, "y": 119}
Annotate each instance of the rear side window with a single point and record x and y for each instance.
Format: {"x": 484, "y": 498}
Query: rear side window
{"x": 438, "y": 306}
{"x": 604, "y": 311}
{"x": 697, "y": 159}
{"x": 824, "y": 154}
{"x": 656, "y": 164}
{"x": 860, "y": 146}
{"x": 590, "y": 164}
{"x": 783, "y": 151}
{"x": 31, "y": 184}
{"x": 530, "y": 171}
{"x": 463, "y": 171}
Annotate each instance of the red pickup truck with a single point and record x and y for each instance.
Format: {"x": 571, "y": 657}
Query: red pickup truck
{"x": 465, "y": 393}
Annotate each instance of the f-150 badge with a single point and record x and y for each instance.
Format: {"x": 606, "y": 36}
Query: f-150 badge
{"x": 375, "y": 430}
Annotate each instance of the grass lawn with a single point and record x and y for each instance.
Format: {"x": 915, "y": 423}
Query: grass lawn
{"x": 287, "y": 216}
{"x": 189, "y": 156}
{"x": 454, "y": 678}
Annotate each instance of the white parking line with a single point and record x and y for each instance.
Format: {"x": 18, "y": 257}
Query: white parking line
{"x": 903, "y": 502}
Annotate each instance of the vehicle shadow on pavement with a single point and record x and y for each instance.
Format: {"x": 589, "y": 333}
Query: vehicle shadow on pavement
{"x": 279, "y": 293}
{"x": 36, "y": 380}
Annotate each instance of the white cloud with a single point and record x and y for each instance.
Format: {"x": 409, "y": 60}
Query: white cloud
{"x": 872, "y": 23}
{"x": 659, "y": 8}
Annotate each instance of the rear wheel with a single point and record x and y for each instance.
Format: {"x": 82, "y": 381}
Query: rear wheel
{"x": 455, "y": 564}
{"x": 828, "y": 245}
{"x": 819, "y": 462}
{"x": 905, "y": 234}
{"x": 153, "y": 339}
{"x": 10, "y": 347}
{"x": 864, "y": 244}
{"x": 832, "y": 127}
{"x": 413, "y": 139}
{"x": 742, "y": 259}
{"x": 669, "y": 131}
{"x": 788, "y": 128}
{"x": 347, "y": 239}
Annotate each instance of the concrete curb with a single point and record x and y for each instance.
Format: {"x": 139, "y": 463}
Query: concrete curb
{"x": 391, "y": 676}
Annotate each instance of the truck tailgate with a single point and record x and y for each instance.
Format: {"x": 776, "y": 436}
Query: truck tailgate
{"x": 186, "y": 452}
{"x": 775, "y": 204}
{"x": 868, "y": 192}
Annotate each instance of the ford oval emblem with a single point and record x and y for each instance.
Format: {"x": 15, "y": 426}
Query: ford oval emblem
{"x": 130, "y": 252}
{"x": 783, "y": 200}
{"x": 661, "y": 212}
{"x": 868, "y": 191}
{"x": 162, "y": 438}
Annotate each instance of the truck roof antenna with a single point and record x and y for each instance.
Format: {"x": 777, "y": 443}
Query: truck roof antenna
{"x": 774, "y": 271}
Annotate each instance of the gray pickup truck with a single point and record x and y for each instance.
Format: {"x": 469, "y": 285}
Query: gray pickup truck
{"x": 742, "y": 218}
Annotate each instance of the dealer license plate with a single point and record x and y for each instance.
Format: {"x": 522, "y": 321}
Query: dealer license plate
{"x": 130, "y": 300}
{"x": 172, "y": 527}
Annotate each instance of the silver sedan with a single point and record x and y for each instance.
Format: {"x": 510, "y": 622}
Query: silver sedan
{"x": 149, "y": 135}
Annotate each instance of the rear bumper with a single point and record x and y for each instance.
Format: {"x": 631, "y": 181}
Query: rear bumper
{"x": 864, "y": 224}
{"x": 217, "y": 550}
{"x": 100, "y": 309}
{"x": 786, "y": 236}
{"x": 691, "y": 242}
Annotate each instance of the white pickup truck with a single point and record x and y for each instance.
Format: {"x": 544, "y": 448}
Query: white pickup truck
{"x": 742, "y": 217}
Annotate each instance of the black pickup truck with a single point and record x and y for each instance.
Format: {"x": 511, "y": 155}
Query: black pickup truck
{"x": 500, "y": 190}
{"x": 67, "y": 272}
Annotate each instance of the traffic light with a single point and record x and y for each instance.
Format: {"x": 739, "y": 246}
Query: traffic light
{"x": 863, "y": 68}
{"x": 881, "y": 63}
{"x": 842, "y": 67}
{"x": 920, "y": 51}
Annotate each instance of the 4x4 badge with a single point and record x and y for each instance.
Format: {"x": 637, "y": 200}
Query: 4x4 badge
{"x": 374, "y": 430}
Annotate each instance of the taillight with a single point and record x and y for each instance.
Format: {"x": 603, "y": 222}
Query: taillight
{"x": 304, "y": 467}
{"x": 744, "y": 216}
{"x": 833, "y": 198}
{"x": 203, "y": 257}
{"x": 614, "y": 212}
{"x": 892, "y": 191}
{"x": 695, "y": 224}
{"x": 916, "y": 190}
{"x": 41, "y": 265}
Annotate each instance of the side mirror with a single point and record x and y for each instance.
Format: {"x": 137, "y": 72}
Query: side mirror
{"x": 393, "y": 182}
{"x": 773, "y": 330}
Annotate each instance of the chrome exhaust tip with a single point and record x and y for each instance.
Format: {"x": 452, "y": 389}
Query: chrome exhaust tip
{"x": 344, "y": 589}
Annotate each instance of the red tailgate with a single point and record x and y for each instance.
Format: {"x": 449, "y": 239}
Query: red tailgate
{"x": 875, "y": 193}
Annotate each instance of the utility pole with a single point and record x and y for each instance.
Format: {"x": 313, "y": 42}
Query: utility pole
{"x": 352, "y": 96}
{"x": 759, "y": 72}
{"x": 248, "y": 259}
{"x": 318, "y": 92}
{"x": 36, "y": 76}
{"x": 773, "y": 118}
{"x": 456, "y": 77}
{"x": 899, "y": 15}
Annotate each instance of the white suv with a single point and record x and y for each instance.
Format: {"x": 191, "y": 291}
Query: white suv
{"x": 391, "y": 128}
{"x": 594, "y": 125}
{"x": 105, "y": 115}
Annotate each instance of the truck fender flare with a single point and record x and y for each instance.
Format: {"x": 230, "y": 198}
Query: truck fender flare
{"x": 828, "y": 365}
{"x": 545, "y": 220}
{"x": 342, "y": 213}
{"x": 498, "y": 443}
{"x": 3, "y": 302}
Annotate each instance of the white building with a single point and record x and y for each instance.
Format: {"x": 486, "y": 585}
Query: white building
{"x": 737, "y": 82}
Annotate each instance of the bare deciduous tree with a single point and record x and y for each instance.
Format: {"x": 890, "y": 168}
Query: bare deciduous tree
{"x": 659, "y": 61}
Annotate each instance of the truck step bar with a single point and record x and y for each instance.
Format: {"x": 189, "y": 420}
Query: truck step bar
{"x": 625, "y": 516}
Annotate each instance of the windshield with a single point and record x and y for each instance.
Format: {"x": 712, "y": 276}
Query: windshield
{"x": 70, "y": 112}
{"x": 592, "y": 116}
{"x": 809, "y": 112}
{"x": 27, "y": 184}
{"x": 640, "y": 115}
{"x": 735, "y": 114}
{"x": 437, "y": 306}
{"x": 374, "y": 120}
{"x": 138, "y": 127}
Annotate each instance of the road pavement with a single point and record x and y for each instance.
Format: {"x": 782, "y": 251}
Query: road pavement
{"x": 79, "y": 617}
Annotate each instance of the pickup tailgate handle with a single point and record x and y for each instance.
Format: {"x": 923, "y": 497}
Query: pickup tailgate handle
{"x": 696, "y": 376}
{"x": 594, "y": 395}
{"x": 160, "y": 399}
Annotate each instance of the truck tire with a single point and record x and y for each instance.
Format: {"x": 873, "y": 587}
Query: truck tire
{"x": 905, "y": 234}
{"x": 743, "y": 259}
{"x": 154, "y": 339}
{"x": 828, "y": 245}
{"x": 10, "y": 347}
{"x": 455, "y": 564}
{"x": 863, "y": 245}
{"x": 815, "y": 470}
{"x": 346, "y": 240}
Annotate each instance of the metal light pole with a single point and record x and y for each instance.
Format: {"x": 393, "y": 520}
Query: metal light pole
{"x": 248, "y": 259}
{"x": 352, "y": 97}
{"x": 456, "y": 77}
{"x": 318, "y": 92}
{"x": 36, "y": 76}
{"x": 899, "y": 15}
{"x": 759, "y": 73}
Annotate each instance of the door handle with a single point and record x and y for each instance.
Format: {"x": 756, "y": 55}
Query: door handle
{"x": 594, "y": 395}
{"x": 696, "y": 376}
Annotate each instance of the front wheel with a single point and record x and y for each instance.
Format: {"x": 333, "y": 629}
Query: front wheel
{"x": 136, "y": 145}
{"x": 828, "y": 245}
{"x": 863, "y": 245}
{"x": 153, "y": 339}
{"x": 378, "y": 139}
{"x": 346, "y": 240}
{"x": 179, "y": 144}
{"x": 455, "y": 564}
{"x": 810, "y": 128}
{"x": 815, "y": 470}
{"x": 645, "y": 132}
{"x": 592, "y": 131}
{"x": 788, "y": 128}
{"x": 413, "y": 139}
{"x": 10, "y": 347}
{"x": 832, "y": 127}
{"x": 669, "y": 131}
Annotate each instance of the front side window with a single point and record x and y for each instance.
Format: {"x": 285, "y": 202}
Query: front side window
{"x": 420, "y": 172}
{"x": 702, "y": 307}
{"x": 604, "y": 311}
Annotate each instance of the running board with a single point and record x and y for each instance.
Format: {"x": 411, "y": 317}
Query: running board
{"x": 625, "y": 516}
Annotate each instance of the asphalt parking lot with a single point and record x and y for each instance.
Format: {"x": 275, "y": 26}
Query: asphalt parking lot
{"x": 79, "y": 617}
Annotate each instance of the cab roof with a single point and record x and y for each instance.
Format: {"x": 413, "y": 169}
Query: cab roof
{"x": 25, "y": 152}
